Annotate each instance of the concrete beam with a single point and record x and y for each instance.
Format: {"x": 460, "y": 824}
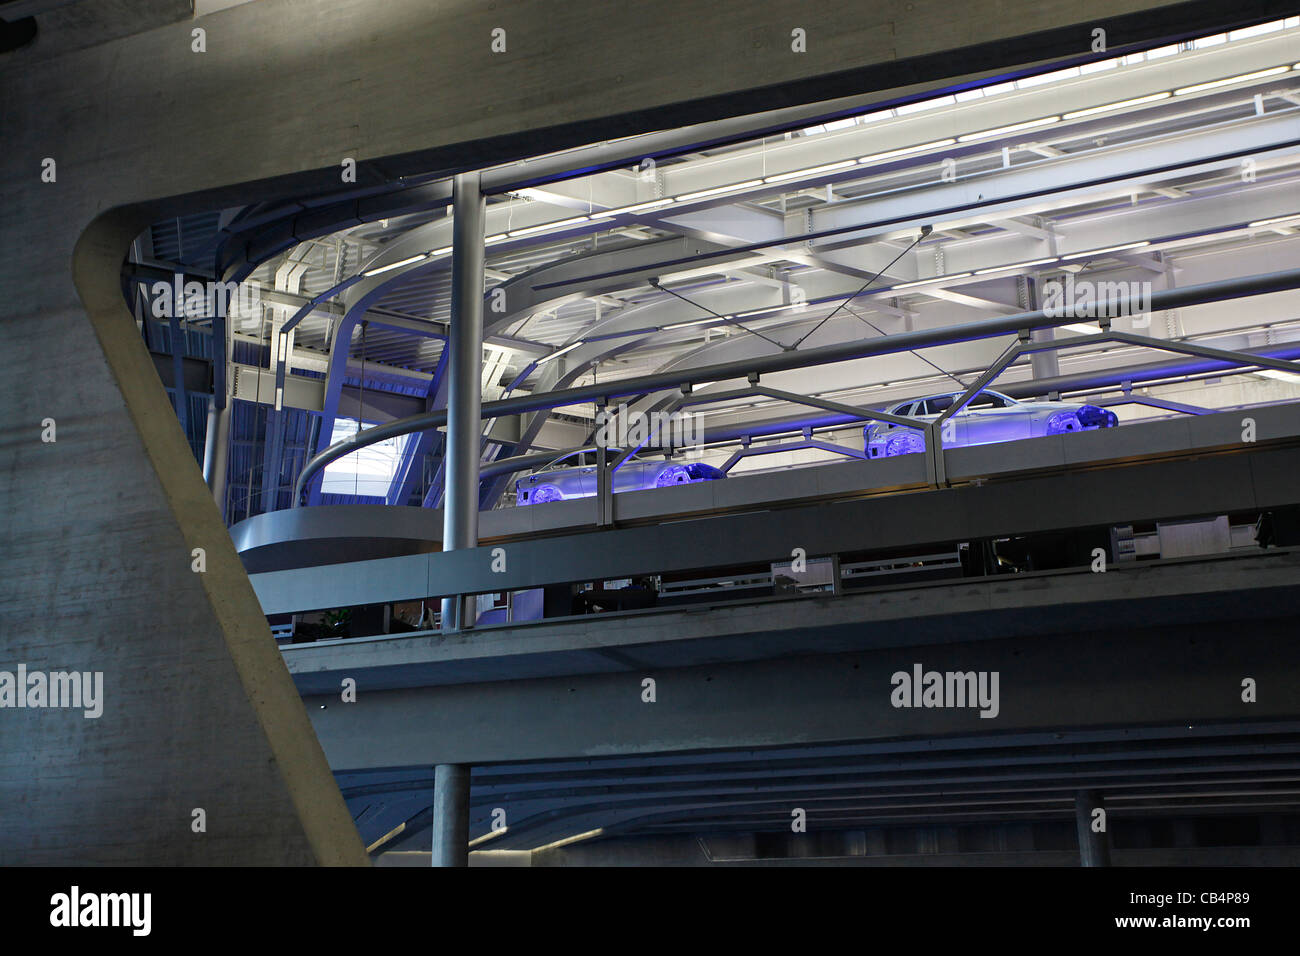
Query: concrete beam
{"x": 1122, "y": 676}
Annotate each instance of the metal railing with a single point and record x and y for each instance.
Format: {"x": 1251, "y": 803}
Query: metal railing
{"x": 1021, "y": 324}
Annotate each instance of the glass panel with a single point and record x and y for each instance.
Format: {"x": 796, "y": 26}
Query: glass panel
{"x": 370, "y": 470}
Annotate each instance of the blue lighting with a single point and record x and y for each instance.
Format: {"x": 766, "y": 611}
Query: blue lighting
{"x": 546, "y": 493}
{"x": 676, "y": 475}
{"x": 989, "y": 417}
{"x": 907, "y": 443}
{"x": 1059, "y": 422}
{"x": 633, "y": 474}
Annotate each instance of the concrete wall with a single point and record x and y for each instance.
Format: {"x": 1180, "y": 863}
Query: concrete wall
{"x": 97, "y": 528}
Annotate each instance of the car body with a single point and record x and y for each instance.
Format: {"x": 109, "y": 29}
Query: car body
{"x": 556, "y": 483}
{"x": 990, "y": 417}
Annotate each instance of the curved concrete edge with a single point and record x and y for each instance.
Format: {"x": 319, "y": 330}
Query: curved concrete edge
{"x": 279, "y": 711}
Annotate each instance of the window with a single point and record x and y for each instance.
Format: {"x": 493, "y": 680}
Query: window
{"x": 369, "y": 471}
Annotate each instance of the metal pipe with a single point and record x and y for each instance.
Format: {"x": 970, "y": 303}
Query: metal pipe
{"x": 464, "y": 382}
{"x": 785, "y": 361}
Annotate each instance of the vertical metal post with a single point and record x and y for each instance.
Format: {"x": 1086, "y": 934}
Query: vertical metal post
{"x": 451, "y": 814}
{"x": 1094, "y": 847}
{"x": 464, "y": 383}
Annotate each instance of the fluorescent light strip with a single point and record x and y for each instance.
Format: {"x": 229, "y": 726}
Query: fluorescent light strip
{"x": 558, "y": 352}
{"x": 1099, "y": 252}
{"x": 682, "y": 325}
{"x": 567, "y": 840}
{"x": 1270, "y": 222}
{"x": 718, "y": 190}
{"x": 1082, "y": 329}
{"x": 395, "y": 265}
{"x": 546, "y": 226}
{"x": 490, "y": 835}
{"x": 1228, "y": 81}
{"x": 877, "y": 157}
{"x": 1013, "y": 128}
{"x": 811, "y": 171}
{"x": 386, "y": 837}
{"x": 992, "y": 90}
{"x": 638, "y": 207}
{"x": 1015, "y": 265}
{"x": 909, "y": 285}
{"x": 1136, "y": 101}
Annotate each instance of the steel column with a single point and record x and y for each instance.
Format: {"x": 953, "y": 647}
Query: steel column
{"x": 464, "y": 383}
{"x": 451, "y": 810}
